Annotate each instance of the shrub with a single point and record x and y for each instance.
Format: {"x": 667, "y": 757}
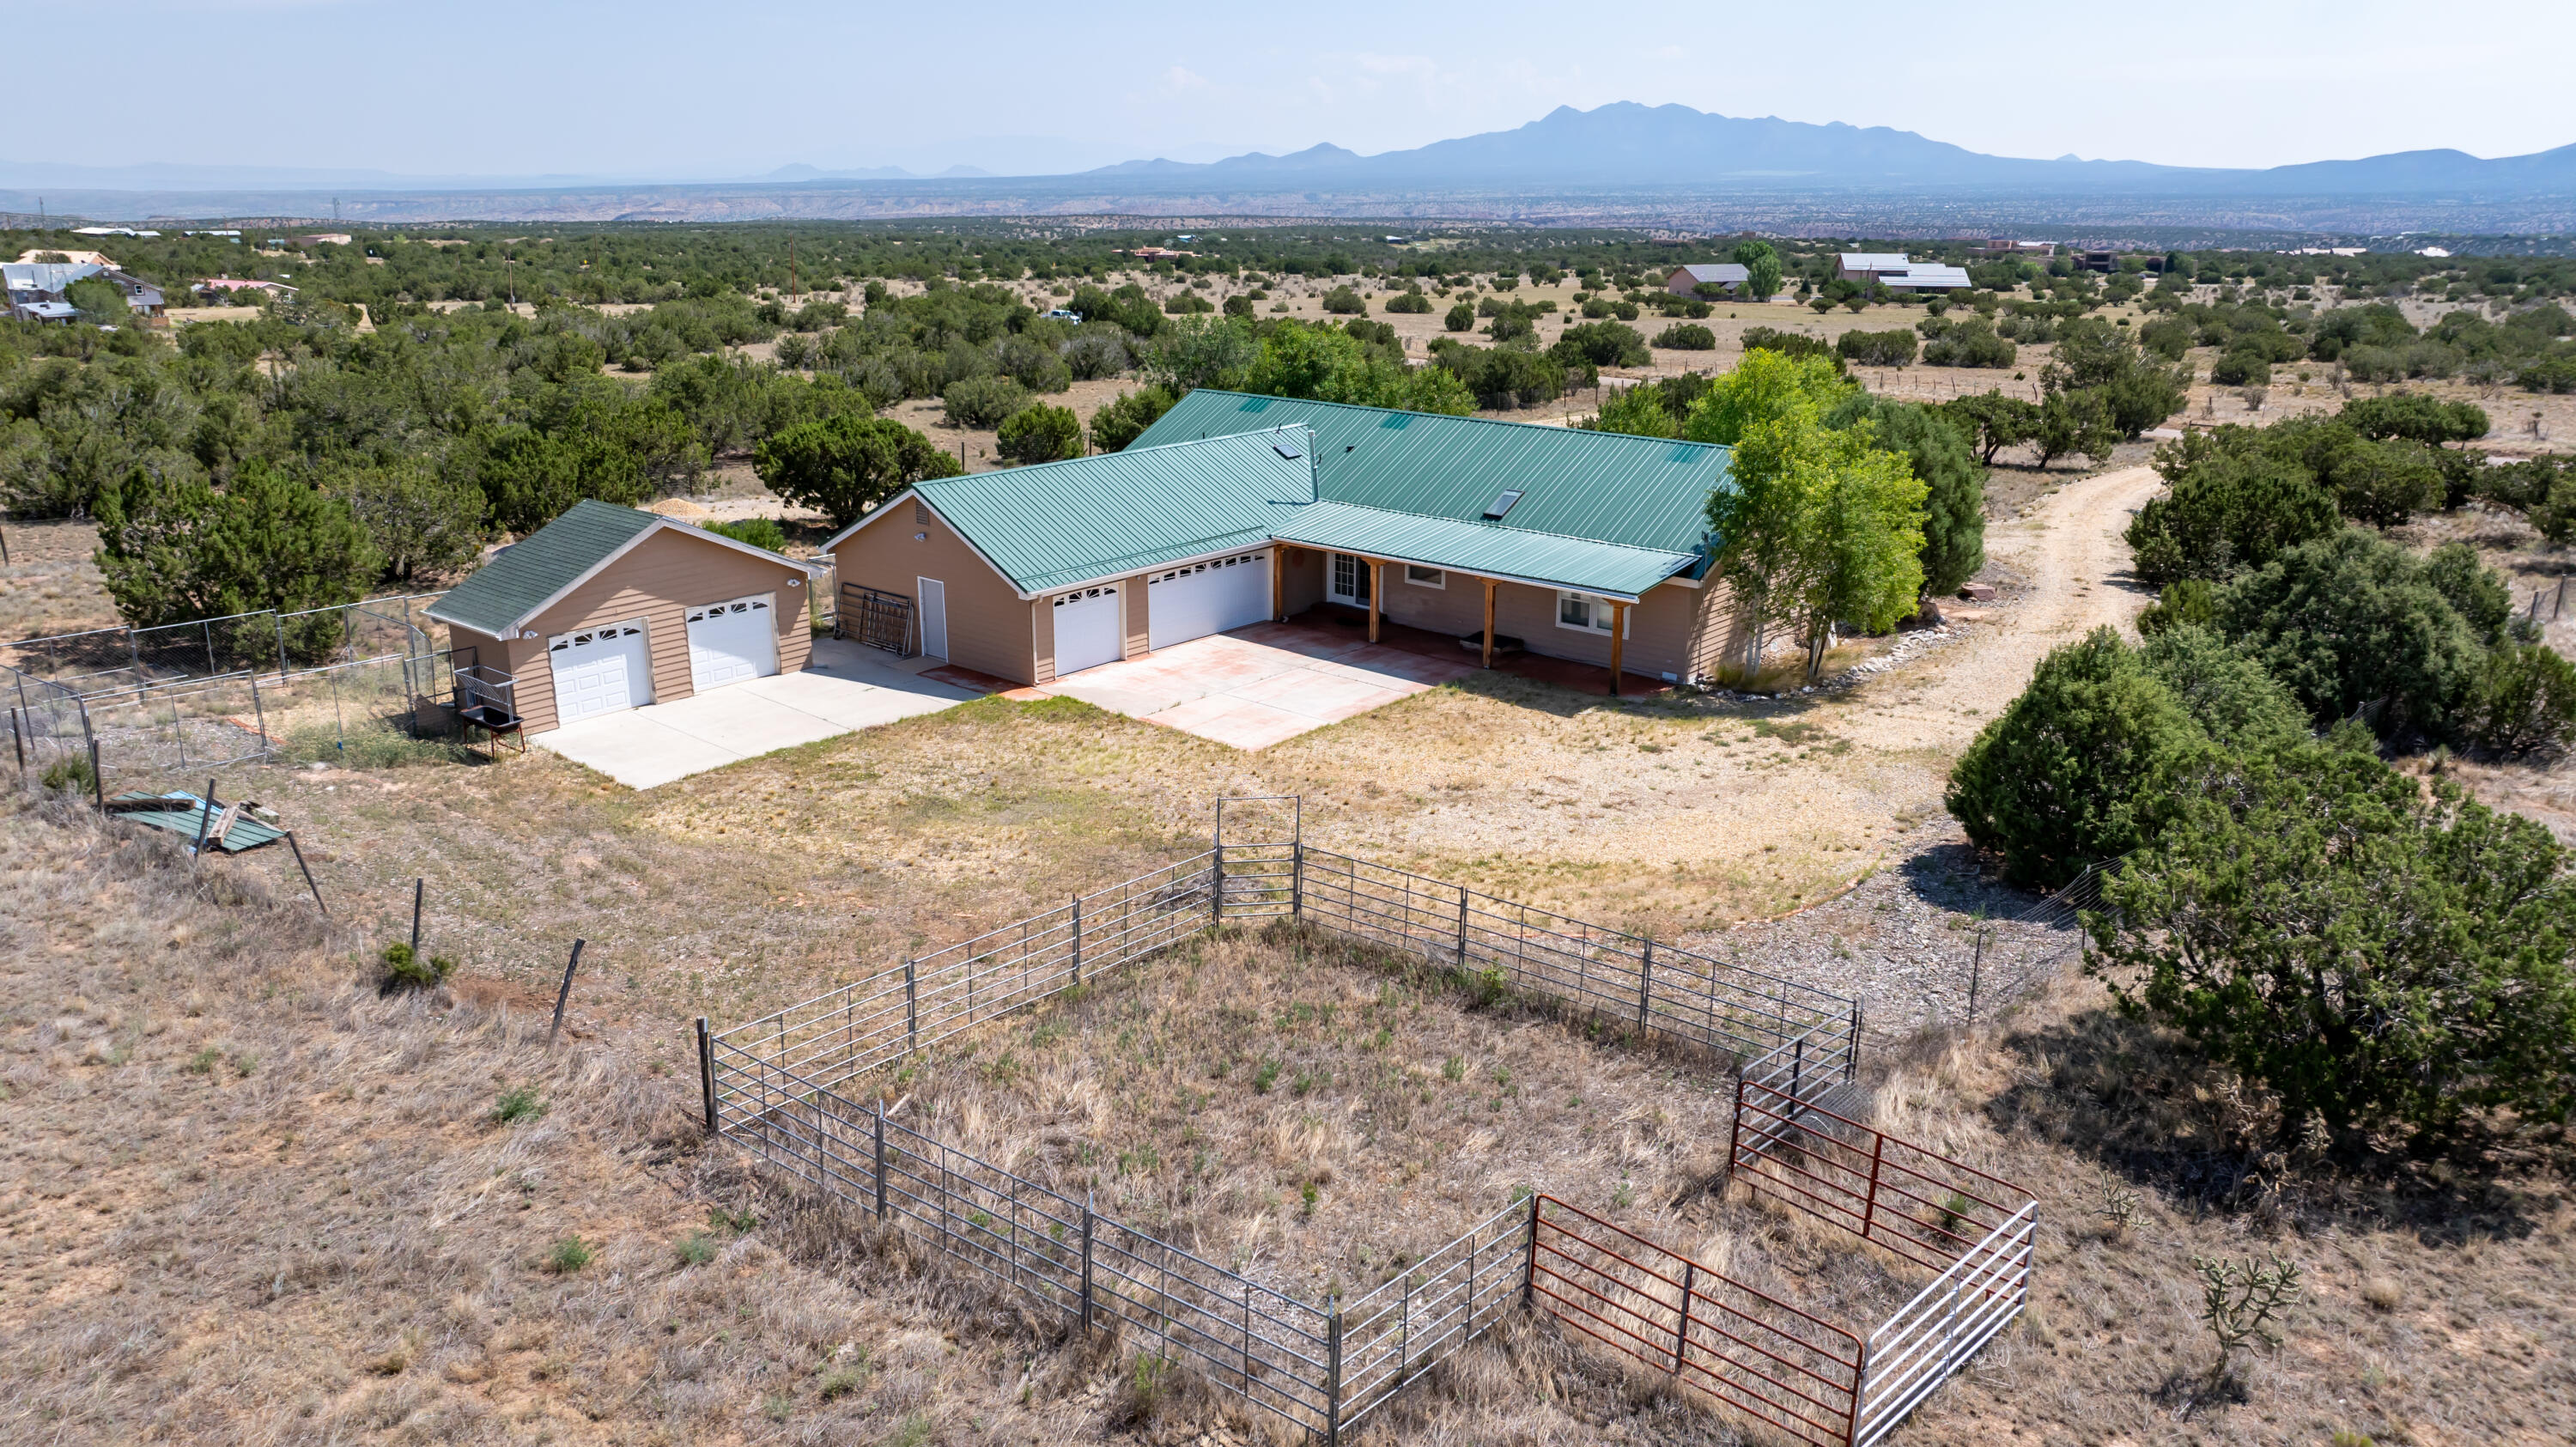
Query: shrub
{"x": 697, "y": 1249}
{"x": 2224, "y": 690}
{"x": 1459, "y": 318}
{"x": 2241, "y": 369}
{"x": 1954, "y": 503}
{"x": 2382, "y": 957}
{"x": 2227, "y": 510}
{"x": 1687, "y": 338}
{"x": 1127, "y": 417}
{"x": 517, "y": 1105}
{"x": 1041, "y": 433}
{"x": 1410, "y": 301}
{"x": 2415, "y": 418}
{"x": 1100, "y": 349}
{"x": 568, "y": 1256}
{"x": 1187, "y": 303}
{"x": 983, "y": 401}
{"x": 405, "y": 971}
{"x": 1878, "y": 349}
{"x": 759, "y": 532}
{"x": 2352, "y": 627}
{"x": 2082, "y": 767}
{"x": 1637, "y": 411}
{"x": 1968, "y": 342}
{"x": 2185, "y": 602}
{"x": 1342, "y": 301}
{"x": 70, "y": 775}
{"x": 1793, "y": 344}
{"x": 2522, "y": 702}
{"x": 1603, "y": 344}
{"x": 844, "y": 465}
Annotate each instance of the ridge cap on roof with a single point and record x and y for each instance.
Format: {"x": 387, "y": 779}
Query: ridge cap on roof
{"x": 1498, "y": 527}
{"x": 1442, "y": 416}
{"x": 1002, "y": 472}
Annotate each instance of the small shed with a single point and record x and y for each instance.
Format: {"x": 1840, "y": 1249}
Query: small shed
{"x": 608, "y": 608}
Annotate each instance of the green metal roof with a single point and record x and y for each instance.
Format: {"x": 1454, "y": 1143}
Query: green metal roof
{"x": 1511, "y": 554}
{"x": 505, "y": 593}
{"x": 1062, "y": 523}
{"x": 1642, "y": 492}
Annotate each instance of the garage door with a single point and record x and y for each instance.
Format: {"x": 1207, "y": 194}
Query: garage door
{"x": 732, "y": 641}
{"x": 1209, "y": 597}
{"x": 600, "y": 671}
{"x": 1089, "y": 630}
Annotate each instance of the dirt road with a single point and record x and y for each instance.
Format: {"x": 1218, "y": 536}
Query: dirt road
{"x": 2070, "y": 550}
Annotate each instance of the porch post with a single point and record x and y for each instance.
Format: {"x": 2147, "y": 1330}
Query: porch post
{"x": 1278, "y": 585}
{"x": 1618, "y": 641}
{"x": 1377, "y": 592}
{"x": 1489, "y": 623}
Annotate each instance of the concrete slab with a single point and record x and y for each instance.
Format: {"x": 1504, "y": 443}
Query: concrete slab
{"x": 1260, "y": 685}
{"x": 844, "y": 689}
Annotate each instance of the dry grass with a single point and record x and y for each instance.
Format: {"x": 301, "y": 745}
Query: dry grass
{"x": 50, "y": 585}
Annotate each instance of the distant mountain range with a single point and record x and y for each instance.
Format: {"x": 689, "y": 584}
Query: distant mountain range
{"x": 1622, "y": 164}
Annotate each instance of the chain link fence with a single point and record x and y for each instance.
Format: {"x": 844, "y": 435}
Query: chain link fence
{"x": 103, "y": 660}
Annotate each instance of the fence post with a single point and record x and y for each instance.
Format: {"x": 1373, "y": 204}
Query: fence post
{"x": 1851, "y": 1052}
{"x": 1404, "y": 1331}
{"x": 1297, "y": 879}
{"x": 206, "y": 630}
{"x": 18, "y": 741}
{"x": 277, "y": 624}
{"x": 565, "y": 993}
{"x": 134, "y": 656}
{"x": 419, "y": 892}
{"x": 1529, "y": 1270}
{"x": 1681, "y": 1332}
{"x": 205, "y": 819}
{"x": 1247, "y": 1338}
{"x": 1735, "y": 1130}
{"x": 1077, "y": 939}
{"x": 1216, "y": 878}
{"x": 1333, "y": 1375}
{"x": 707, "y": 1074}
{"x": 1976, "y": 971}
{"x": 1462, "y": 928}
{"x": 1869, "y": 1203}
{"x": 259, "y": 714}
{"x": 98, "y": 782}
{"x": 911, "y": 1012}
{"x": 1645, "y": 986}
{"x": 1084, "y": 1313}
{"x": 881, "y": 1161}
{"x": 1859, "y": 1397}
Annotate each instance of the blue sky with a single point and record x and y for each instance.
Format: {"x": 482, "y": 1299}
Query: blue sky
{"x": 662, "y": 89}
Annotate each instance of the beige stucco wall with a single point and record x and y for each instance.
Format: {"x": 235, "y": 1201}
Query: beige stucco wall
{"x": 990, "y": 626}
{"x": 662, "y": 578}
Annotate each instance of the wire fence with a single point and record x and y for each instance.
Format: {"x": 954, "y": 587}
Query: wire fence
{"x": 106, "y": 660}
{"x": 776, "y": 1085}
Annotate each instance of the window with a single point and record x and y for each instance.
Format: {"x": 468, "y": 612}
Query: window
{"x": 1350, "y": 580}
{"x": 1584, "y": 612}
{"x": 1421, "y": 577}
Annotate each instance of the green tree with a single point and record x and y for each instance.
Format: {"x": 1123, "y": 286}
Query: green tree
{"x": 1199, "y": 352}
{"x": 1685, "y": 337}
{"x": 1127, "y": 416}
{"x": 1041, "y": 434}
{"x": 1637, "y": 411}
{"x": 99, "y": 301}
{"x": 2353, "y": 628}
{"x": 1994, "y": 422}
{"x": 1461, "y": 317}
{"x": 1604, "y": 344}
{"x": 2226, "y": 510}
{"x": 1343, "y": 301}
{"x": 1816, "y": 527}
{"x": 984, "y": 401}
{"x": 2224, "y": 690}
{"x": 1954, "y": 501}
{"x": 418, "y": 521}
{"x": 2381, "y": 957}
{"x": 2072, "y": 422}
{"x": 1761, "y": 266}
{"x": 843, "y": 466}
{"x": 173, "y": 549}
{"x": 2416, "y": 418}
{"x": 1893, "y": 348}
{"x": 1766, "y": 385}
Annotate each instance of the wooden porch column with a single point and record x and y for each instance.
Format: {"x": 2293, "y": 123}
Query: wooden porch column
{"x": 1489, "y": 623}
{"x": 1278, "y": 585}
{"x": 1377, "y": 591}
{"x": 1618, "y": 640}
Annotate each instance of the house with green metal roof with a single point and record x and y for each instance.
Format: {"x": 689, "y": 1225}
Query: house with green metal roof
{"x": 608, "y": 608}
{"x": 1235, "y": 510}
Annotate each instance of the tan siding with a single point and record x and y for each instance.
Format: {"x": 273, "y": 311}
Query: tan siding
{"x": 989, "y": 624}
{"x": 1301, "y": 580}
{"x": 1042, "y": 640}
{"x": 1666, "y": 629}
{"x": 659, "y": 581}
{"x": 1135, "y": 601}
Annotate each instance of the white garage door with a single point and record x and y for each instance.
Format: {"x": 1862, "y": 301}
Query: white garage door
{"x": 733, "y": 640}
{"x": 1209, "y": 597}
{"x": 1088, "y": 629}
{"x": 600, "y": 671}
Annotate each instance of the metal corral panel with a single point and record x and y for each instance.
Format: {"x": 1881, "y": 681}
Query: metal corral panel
{"x": 1644, "y": 492}
{"x": 1485, "y": 550}
{"x": 1063, "y": 523}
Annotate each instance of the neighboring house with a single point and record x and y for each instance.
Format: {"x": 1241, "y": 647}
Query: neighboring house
{"x": 607, "y": 608}
{"x": 1237, "y": 509}
{"x": 2006, "y": 246}
{"x": 1899, "y": 273}
{"x": 35, "y": 255}
{"x": 31, "y": 285}
{"x": 1687, "y": 280}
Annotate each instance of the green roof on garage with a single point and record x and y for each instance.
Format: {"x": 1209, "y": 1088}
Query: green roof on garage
{"x": 1607, "y": 487}
{"x": 1063, "y": 523}
{"x": 1512, "y": 554}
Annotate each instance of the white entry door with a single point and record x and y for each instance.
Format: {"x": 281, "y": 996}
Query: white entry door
{"x": 733, "y": 640}
{"x": 934, "y": 616}
{"x": 1209, "y": 597}
{"x": 601, "y": 670}
{"x": 1089, "y": 630}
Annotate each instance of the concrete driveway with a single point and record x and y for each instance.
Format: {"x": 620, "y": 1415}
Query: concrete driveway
{"x": 846, "y": 688}
{"x": 1257, "y": 686}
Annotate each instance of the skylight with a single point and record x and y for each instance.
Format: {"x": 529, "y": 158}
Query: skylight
{"x": 1494, "y": 510}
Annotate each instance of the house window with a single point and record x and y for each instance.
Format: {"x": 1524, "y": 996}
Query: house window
{"x": 1350, "y": 580}
{"x": 1584, "y": 612}
{"x": 1425, "y": 577}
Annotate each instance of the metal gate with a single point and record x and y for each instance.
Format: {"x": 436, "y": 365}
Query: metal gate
{"x": 876, "y": 618}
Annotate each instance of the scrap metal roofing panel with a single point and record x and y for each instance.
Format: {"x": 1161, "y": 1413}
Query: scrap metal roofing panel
{"x": 1062, "y": 523}
{"x": 1642, "y": 492}
{"x": 507, "y": 589}
{"x": 1514, "y": 554}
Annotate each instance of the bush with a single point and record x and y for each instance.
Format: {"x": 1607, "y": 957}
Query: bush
{"x": 2241, "y": 369}
{"x": 516, "y": 1105}
{"x": 404, "y": 971}
{"x": 1791, "y": 344}
{"x": 1342, "y": 301}
{"x": 2353, "y": 627}
{"x": 1687, "y": 338}
{"x": 1877, "y": 349}
{"x": 568, "y": 1256}
{"x": 1967, "y": 342}
{"x": 2185, "y": 602}
{"x": 2383, "y": 958}
{"x": 2523, "y": 701}
{"x": 2416, "y": 419}
{"x": 1603, "y": 344}
{"x": 1238, "y": 305}
{"x": 69, "y": 776}
{"x": 1410, "y": 301}
{"x": 1954, "y": 503}
{"x": 1459, "y": 318}
{"x": 1041, "y": 433}
{"x": 2226, "y": 692}
{"x": 1100, "y": 349}
{"x": 174, "y": 550}
{"x": 759, "y": 532}
{"x": 984, "y": 401}
{"x": 2228, "y": 509}
{"x": 1187, "y": 303}
{"x": 1127, "y": 417}
{"x": 2083, "y": 766}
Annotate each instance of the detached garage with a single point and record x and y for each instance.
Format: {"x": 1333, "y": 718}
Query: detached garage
{"x": 607, "y": 608}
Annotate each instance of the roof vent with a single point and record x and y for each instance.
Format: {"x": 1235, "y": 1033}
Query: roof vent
{"x": 1494, "y": 510}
